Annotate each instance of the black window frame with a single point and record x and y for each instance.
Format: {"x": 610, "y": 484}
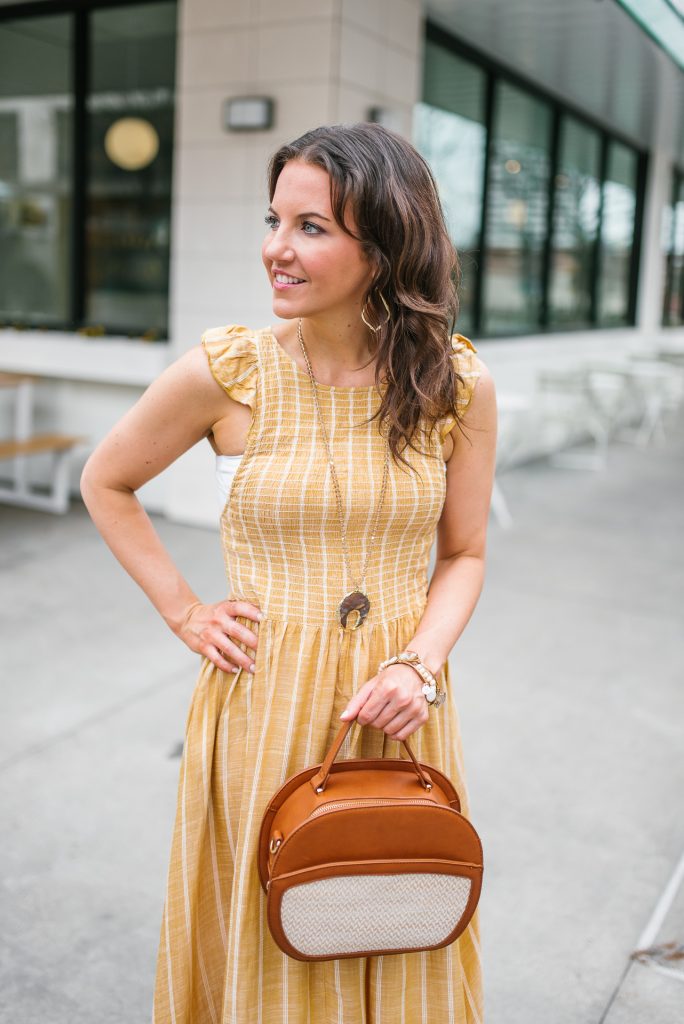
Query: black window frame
{"x": 496, "y": 72}
{"x": 669, "y": 285}
{"x": 80, "y": 78}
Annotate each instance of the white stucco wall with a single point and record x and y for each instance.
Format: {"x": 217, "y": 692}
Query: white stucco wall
{"x": 324, "y": 62}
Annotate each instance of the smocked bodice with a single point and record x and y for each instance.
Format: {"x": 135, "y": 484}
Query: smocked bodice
{"x": 280, "y": 527}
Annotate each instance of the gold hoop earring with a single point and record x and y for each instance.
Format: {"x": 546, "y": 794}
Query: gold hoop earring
{"x": 380, "y": 326}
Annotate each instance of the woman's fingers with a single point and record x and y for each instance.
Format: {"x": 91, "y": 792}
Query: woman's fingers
{"x": 224, "y": 618}
{"x": 402, "y": 726}
{"x": 213, "y": 631}
{"x": 393, "y": 694}
{"x": 236, "y": 630}
{"x": 390, "y": 702}
{"x": 229, "y": 610}
{"x": 227, "y": 638}
{"x": 217, "y": 657}
{"x": 244, "y": 608}
{"x": 358, "y": 700}
{"x": 232, "y": 653}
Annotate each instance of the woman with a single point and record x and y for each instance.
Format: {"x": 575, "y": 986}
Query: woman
{"x": 345, "y": 420}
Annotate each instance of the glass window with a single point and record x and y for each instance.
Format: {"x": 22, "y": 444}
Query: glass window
{"x": 531, "y": 268}
{"x": 449, "y": 131}
{"x": 673, "y": 312}
{"x": 130, "y": 148}
{"x": 577, "y": 193}
{"x": 617, "y": 235}
{"x": 517, "y": 211}
{"x": 116, "y": 281}
{"x": 35, "y": 169}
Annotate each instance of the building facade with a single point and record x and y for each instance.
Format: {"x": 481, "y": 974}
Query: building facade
{"x": 134, "y": 140}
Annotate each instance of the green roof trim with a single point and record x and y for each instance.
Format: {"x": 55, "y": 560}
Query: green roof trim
{"x": 663, "y": 21}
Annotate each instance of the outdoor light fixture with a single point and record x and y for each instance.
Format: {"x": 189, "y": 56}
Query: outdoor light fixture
{"x": 387, "y": 118}
{"x": 131, "y": 143}
{"x": 248, "y": 113}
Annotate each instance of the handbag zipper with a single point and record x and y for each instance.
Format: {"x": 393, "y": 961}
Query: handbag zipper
{"x": 370, "y": 802}
{"x": 362, "y": 801}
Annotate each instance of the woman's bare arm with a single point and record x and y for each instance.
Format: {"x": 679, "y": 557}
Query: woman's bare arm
{"x": 458, "y": 577}
{"x": 175, "y": 412}
{"x": 392, "y": 700}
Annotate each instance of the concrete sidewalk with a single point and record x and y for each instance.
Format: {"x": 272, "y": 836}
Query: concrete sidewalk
{"x": 570, "y": 690}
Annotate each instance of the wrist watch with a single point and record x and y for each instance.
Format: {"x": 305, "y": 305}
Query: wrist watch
{"x": 432, "y": 694}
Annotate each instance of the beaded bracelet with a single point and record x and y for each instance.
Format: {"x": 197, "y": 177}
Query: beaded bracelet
{"x": 432, "y": 694}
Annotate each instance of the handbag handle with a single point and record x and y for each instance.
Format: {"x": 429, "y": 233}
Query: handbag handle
{"x": 320, "y": 780}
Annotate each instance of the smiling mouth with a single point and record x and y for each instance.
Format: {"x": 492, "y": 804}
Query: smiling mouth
{"x": 280, "y": 278}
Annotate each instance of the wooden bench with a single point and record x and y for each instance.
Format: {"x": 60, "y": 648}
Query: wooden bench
{"x": 24, "y": 444}
{"x": 38, "y": 443}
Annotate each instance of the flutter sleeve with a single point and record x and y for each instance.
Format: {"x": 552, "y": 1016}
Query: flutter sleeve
{"x": 464, "y": 355}
{"x": 233, "y": 360}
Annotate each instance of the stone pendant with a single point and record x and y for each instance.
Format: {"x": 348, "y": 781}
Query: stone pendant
{"x": 354, "y": 609}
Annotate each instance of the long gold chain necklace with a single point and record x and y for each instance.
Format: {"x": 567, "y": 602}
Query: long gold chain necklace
{"x": 355, "y": 606}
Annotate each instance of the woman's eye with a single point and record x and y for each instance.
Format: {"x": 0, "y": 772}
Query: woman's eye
{"x": 272, "y": 221}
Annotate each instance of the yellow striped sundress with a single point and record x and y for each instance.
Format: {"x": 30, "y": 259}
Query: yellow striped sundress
{"x": 244, "y": 735}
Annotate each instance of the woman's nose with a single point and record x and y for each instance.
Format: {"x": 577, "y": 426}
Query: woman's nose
{"x": 277, "y": 247}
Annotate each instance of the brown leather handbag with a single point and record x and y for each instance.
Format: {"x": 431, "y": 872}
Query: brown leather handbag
{"x": 367, "y": 856}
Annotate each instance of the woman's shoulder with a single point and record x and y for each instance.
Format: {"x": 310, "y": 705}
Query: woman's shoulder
{"x": 233, "y": 356}
{"x": 468, "y": 364}
{"x": 469, "y": 369}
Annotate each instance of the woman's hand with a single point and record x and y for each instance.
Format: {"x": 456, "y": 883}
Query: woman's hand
{"x": 211, "y": 630}
{"x": 392, "y": 700}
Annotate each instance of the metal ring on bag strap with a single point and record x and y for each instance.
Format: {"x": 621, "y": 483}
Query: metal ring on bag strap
{"x": 320, "y": 780}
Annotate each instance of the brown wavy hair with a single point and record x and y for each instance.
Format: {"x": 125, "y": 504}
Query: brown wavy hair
{"x": 402, "y": 230}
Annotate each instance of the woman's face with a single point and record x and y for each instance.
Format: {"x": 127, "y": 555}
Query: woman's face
{"x": 304, "y": 242}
